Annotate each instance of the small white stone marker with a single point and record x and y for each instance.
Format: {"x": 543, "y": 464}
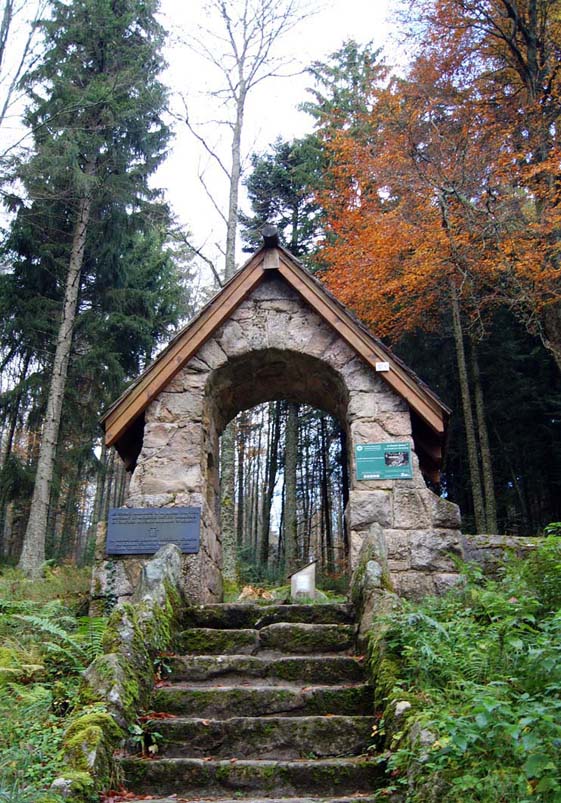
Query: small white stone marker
{"x": 303, "y": 582}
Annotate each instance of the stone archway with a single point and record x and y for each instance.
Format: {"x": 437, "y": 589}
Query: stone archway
{"x": 275, "y": 340}
{"x": 258, "y": 376}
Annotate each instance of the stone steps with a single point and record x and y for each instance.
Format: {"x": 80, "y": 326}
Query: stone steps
{"x": 265, "y": 703}
{"x": 359, "y": 798}
{"x": 268, "y": 778}
{"x": 263, "y": 737}
{"x": 238, "y": 700}
{"x": 279, "y": 638}
{"x": 255, "y": 668}
{"x": 242, "y": 615}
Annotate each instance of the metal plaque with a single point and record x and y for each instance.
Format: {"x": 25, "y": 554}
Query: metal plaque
{"x": 383, "y": 461}
{"x": 142, "y": 531}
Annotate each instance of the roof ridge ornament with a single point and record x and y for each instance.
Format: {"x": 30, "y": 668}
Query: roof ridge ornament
{"x": 270, "y": 236}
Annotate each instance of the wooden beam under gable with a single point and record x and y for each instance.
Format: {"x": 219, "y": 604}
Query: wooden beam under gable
{"x": 180, "y": 351}
{"x": 398, "y": 379}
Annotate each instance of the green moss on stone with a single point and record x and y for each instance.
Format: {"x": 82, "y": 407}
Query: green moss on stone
{"x": 217, "y": 642}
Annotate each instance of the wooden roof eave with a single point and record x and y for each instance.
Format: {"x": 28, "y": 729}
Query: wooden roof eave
{"x": 187, "y": 342}
{"x": 136, "y": 398}
{"x": 428, "y": 406}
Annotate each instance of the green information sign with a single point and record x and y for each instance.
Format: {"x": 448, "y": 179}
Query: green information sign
{"x": 383, "y": 461}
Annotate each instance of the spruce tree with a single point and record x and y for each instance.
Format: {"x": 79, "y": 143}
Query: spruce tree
{"x": 281, "y": 188}
{"x": 96, "y": 106}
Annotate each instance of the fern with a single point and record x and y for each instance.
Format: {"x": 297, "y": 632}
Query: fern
{"x": 42, "y": 625}
{"x": 90, "y": 634}
{"x": 58, "y": 652}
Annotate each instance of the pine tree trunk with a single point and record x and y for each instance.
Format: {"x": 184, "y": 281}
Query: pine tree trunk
{"x": 486, "y": 459}
{"x": 241, "y": 479}
{"x": 8, "y": 444}
{"x": 271, "y": 478}
{"x": 345, "y": 490}
{"x": 471, "y": 438}
{"x": 109, "y": 480}
{"x": 97, "y": 510}
{"x": 67, "y": 546}
{"x": 33, "y": 552}
{"x": 290, "y": 466}
{"x": 325, "y": 500}
{"x": 228, "y": 497}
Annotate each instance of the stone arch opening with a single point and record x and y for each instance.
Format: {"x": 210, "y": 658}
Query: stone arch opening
{"x": 274, "y": 332}
{"x": 277, "y": 375}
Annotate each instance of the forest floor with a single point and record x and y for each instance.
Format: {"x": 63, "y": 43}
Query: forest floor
{"x": 482, "y": 665}
{"x": 45, "y": 642}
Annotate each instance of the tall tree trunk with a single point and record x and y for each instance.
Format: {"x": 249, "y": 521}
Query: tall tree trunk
{"x": 326, "y": 502}
{"x": 243, "y": 423}
{"x": 228, "y": 448}
{"x": 345, "y": 490}
{"x": 290, "y": 465}
{"x": 486, "y": 459}
{"x": 235, "y": 174}
{"x": 67, "y": 544}
{"x": 7, "y": 446}
{"x": 109, "y": 480}
{"x": 271, "y": 478}
{"x": 97, "y": 509}
{"x": 228, "y": 499}
{"x": 552, "y": 330}
{"x": 471, "y": 438}
{"x": 33, "y": 552}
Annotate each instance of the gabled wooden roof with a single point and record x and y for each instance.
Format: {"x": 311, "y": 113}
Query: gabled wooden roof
{"x": 429, "y": 411}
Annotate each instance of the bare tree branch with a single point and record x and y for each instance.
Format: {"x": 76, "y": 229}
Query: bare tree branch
{"x": 194, "y": 250}
{"x": 212, "y": 198}
{"x": 204, "y": 143}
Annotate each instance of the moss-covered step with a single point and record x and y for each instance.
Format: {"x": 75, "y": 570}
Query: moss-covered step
{"x": 266, "y": 778}
{"x": 322, "y": 669}
{"x": 264, "y": 737}
{"x": 181, "y": 799}
{"x": 254, "y": 701}
{"x": 283, "y": 637}
{"x": 247, "y": 615}
{"x": 207, "y": 641}
{"x": 306, "y": 638}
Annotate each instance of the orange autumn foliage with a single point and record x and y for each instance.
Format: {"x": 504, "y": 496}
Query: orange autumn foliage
{"x": 452, "y": 183}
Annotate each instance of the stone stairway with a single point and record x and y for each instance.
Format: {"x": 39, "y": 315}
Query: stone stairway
{"x": 269, "y": 704}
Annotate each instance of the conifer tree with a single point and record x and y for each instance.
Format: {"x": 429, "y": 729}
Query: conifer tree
{"x": 95, "y": 111}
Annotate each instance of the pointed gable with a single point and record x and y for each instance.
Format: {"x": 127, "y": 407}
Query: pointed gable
{"x": 123, "y": 422}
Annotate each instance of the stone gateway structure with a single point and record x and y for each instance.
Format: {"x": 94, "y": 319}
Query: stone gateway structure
{"x": 274, "y": 332}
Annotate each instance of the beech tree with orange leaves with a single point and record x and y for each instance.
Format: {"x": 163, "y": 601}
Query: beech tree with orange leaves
{"x": 453, "y": 205}
{"x": 469, "y": 161}
{"x": 406, "y": 210}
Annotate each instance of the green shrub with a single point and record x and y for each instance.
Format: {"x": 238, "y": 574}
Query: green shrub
{"x": 44, "y": 647}
{"x": 485, "y": 662}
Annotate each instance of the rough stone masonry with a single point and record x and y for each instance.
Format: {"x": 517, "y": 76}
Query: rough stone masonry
{"x": 275, "y": 346}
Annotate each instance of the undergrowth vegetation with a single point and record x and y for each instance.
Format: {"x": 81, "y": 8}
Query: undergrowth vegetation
{"x": 484, "y": 662}
{"x": 45, "y": 642}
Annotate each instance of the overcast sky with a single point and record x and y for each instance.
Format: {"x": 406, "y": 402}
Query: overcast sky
{"x": 272, "y": 107}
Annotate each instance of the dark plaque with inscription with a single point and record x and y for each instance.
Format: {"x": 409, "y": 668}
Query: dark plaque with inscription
{"x": 143, "y": 530}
